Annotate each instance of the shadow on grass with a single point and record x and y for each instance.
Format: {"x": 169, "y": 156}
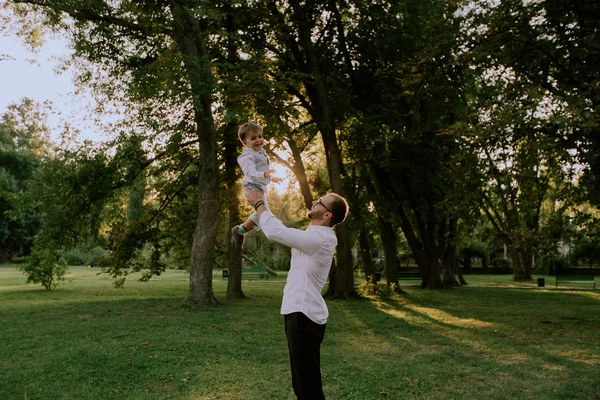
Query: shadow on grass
{"x": 487, "y": 343}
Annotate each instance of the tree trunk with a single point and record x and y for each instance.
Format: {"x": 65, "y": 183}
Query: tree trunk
{"x": 467, "y": 256}
{"x": 388, "y": 236}
{"x": 449, "y": 259}
{"x": 388, "y": 196}
{"x": 298, "y": 170}
{"x": 231, "y": 144}
{"x": 450, "y": 271}
{"x": 365, "y": 255}
{"x": 341, "y": 279}
{"x": 522, "y": 264}
{"x": 428, "y": 265}
{"x": 5, "y": 256}
{"x": 190, "y": 41}
{"x": 516, "y": 261}
{"x": 300, "y": 173}
{"x": 234, "y": 279}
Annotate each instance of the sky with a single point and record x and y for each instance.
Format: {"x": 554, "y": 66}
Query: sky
{"x": 24, "y": 73}
{"x": 27, "y": 74}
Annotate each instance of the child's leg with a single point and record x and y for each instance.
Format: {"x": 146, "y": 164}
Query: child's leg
{"x": 252, "y": 223}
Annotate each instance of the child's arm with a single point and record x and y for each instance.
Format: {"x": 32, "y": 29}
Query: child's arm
{"x": 269, "y": 174}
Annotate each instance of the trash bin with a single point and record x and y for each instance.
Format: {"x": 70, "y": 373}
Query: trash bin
{"x": 541, "y": 282}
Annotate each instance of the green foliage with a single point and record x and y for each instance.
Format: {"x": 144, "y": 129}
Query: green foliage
{"x": 82, "y": 256}
{"x": 128, "y": 256}
{"x": 23, "y": 143}
{"x": 263, "y": 252}
{"x": 501, "y": 265}
{"x": 586, "y": 251}
{"x": 551, "y": 264}
{"x": 369, "y": 287}
{"x": 46, "y": 267}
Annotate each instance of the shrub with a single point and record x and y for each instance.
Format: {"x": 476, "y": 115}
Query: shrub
{"x": 551, "y": 264}
{"x": 76, "y": 256}
{"x": 81, "y": 256}
{"x": 45, "y": 266}
{"x": 586, "y": 251}
{"x": 501, "y": 266}
{"x": 371, "y": 288}
{"x": 368, "y": 288}
{"x": 96, "y": 254}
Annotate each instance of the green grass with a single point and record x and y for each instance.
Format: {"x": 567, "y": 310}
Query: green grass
{"x": 87, "y": 340}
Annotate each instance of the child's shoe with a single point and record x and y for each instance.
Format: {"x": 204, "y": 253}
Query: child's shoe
{"x": 237, "y": 239}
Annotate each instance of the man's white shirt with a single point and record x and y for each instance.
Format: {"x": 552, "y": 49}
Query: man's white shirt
{"x": 312, "y": 253}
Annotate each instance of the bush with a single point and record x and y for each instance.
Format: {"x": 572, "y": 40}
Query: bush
{"x": 370, "y": 288}
{"x": 501, "y": 266}
{"x": 81, "y": 256}
{"x": 551, "y": 264}
{"x": 96, "y": 254}
{"x": 45, "y": 266}
{"x": 76, "y": 256}
{"x": 586, "y": 251}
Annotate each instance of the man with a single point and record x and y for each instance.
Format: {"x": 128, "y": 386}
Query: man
{"x": 304, "y": 310}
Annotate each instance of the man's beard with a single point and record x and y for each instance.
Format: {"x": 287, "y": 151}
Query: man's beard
{"x": 313, "y": 214}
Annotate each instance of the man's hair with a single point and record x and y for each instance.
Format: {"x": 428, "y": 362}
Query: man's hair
{"x": 339, "y": 209}
{"x": 247, "y": 128}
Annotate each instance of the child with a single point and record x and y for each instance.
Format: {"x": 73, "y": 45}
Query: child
{"x": 257, "y": 175}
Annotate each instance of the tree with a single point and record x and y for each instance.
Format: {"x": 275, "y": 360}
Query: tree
{"x": 46, "y": 267}
{"x": 301, "y": 65}
{"x": 131, "y": 37}
{"x": 586, "y": 250}
{"x": 406, "y": 91}
{"x": 523, "y": 126}
{"x": 24, "y": 140}
{"x": 553, "y": 44}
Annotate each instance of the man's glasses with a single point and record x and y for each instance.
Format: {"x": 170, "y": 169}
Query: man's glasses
{"x": 321, "y": 203}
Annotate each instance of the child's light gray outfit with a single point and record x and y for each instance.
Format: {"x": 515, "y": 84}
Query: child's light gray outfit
{"x": 254, "y": 164}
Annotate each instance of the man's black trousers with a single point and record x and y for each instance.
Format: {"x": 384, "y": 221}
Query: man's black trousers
{"x": 304, "y": 339}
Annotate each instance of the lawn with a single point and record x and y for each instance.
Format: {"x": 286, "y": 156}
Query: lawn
{"x": 87, "y": 340}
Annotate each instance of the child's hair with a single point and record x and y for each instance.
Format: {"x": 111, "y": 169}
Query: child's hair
{"x": 247, "y": 128}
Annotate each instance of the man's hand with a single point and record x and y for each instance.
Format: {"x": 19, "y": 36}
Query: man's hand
{"x": 252, "y": 196}
{"x": 276, "y": 179}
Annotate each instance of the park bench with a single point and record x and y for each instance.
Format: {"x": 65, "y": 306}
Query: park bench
{"x": 261, "y": 273}
{"x": 576, "y": 279}
{"x": 409, "y": 276}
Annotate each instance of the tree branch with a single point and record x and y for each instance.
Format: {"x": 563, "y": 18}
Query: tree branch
{"x": 84, "y": 13}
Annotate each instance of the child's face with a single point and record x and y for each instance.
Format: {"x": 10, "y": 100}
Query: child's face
{"x": 254, "y": 140}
